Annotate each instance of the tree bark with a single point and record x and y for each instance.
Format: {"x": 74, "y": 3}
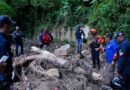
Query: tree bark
{"x": 42, "y": 55}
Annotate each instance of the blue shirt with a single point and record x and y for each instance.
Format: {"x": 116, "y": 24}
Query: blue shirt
{"x": 110, "y": 50}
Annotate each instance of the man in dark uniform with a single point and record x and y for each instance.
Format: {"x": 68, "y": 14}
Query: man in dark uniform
{"x": 18, "y": 38}
{"x": 5, "y": 50}
{"x": 123, "y": 62}
{"x": 95, "y": 47}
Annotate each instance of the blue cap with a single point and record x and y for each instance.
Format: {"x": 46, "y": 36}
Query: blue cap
{"x": 4, "y": 19}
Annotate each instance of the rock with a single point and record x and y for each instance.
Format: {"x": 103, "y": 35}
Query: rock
{"x": 108, "y": 74}
{"x": 53, "y": 72}
{"x": 79, "y": 70}
{"x": 89, "y": 88}
{"x": 105, "y": 87}
{"x": 63, "y": 50}
{"x": 96, "y": 76}
{"x": 84, "y": 51}
{"x": 56, "y": 88}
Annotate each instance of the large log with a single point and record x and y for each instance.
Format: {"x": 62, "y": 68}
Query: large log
{"x": 43, "y": 55}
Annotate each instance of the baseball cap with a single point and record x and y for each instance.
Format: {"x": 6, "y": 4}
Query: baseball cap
{"x": 109, "y": 35}
{"x": 119, "y": 34}
{"x": 4, "y": 19}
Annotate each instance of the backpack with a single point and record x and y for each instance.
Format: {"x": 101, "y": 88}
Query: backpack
{"x": 46, "y": 38}
{"x": 100, "y": 39}
{"x": 84, "y": 40}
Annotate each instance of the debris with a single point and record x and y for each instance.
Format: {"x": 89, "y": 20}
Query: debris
{"x": 53, "y": 72}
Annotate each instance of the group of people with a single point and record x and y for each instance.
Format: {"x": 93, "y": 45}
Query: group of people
{"x": 6, "y": 38}
{"x": 116, "y": 49}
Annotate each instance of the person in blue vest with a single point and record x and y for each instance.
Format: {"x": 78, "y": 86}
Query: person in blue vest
{"x": 5, "y": 51}
{"x": 123, "y": 62}
{"x": 79, "y": 39}
{"x": 110, "y": 48}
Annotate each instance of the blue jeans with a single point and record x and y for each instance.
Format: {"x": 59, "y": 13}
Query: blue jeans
{"x": 79, "y": 45}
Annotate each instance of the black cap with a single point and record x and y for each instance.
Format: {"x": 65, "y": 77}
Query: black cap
{"x": 4, "y": 19}
{"x": 109, "y": 35}
{"x": 119, "y": 34}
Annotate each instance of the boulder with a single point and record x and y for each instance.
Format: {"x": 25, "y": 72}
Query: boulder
{"x": 96, "y": 76}
{"x": 63, "y": 50}
{"x": 79, "y": 70}
{"x": 105, "y": 87}
{"x": 53, "y": 72}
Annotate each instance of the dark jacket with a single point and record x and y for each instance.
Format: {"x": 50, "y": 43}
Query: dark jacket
{"x": 93, "y": 45}
{"x": 17, "y": 35}
{"x": 5, "y": 49}
{"x": 5, "y": 45}
{"x": 79, "y": 33}
{"x": 124, "y": 57}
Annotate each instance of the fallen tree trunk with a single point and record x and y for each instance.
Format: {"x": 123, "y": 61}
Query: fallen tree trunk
{"x": 43, "y": 55}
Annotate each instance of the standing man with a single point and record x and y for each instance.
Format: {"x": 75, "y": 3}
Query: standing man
{"x": 95, "y": 49}
{"x": 5, "y": 50}
{"x": 18, "y": 38}
{"x": 79, "y": 40}
{"x": 123, "y": 62}
{"x": 110, "y": 48}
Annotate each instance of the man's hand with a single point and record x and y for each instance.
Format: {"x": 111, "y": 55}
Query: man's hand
{"x": 113, "y": 63}
{"x": 97, "y": 49}
{"x": 102, "y": 49}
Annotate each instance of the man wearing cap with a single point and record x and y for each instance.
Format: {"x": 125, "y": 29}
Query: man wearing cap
{"x": 123, "y": 62}
{"x": 110, "y": 49}
{"x": 5, "y": 50}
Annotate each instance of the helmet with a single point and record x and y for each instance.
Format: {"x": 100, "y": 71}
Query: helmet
{"x": 116, "y": 83}
{"x": 93, "y": 31}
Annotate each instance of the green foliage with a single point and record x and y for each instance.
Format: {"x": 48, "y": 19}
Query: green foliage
{"x": 34, "y": 15}
{"x": 5, "y": 9}
{"x": 110, "y": 15}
